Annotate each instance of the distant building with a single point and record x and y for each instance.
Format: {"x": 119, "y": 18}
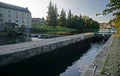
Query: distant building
{"x": 105, "y": 25}
{"x": 38, "y": 21}
{"x": 14, "y": 16}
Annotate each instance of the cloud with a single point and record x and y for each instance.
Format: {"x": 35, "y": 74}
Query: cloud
{"x": 96, "y": 16}
{"x": 99, "y": 16}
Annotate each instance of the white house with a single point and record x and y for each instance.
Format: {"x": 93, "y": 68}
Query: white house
{"x": 15, "y": 16}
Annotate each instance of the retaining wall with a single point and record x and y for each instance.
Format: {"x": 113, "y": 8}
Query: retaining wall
{"x": 16, "y": 52}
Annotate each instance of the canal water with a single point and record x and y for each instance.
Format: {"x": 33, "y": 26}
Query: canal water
{"x": 69, "y": 61}
{"x": 14, "y": 40}
{"x": 20, "y": 39}
{"x": 84, "y": 61}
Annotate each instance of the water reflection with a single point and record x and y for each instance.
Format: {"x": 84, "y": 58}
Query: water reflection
{"x": 13, "y": 40}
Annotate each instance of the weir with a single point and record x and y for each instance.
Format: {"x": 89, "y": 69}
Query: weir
{"x": 17, "y": 52}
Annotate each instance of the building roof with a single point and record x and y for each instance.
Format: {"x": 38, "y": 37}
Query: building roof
{"x": 13, "y": 7}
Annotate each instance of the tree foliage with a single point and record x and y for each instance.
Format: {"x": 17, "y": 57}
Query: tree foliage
{"x": 114, "y": 7}
{"x": 117, "y": 24}
{"x": 82, "y": 23}
{"x": 69, "y": 19}
{"x": 62, "y": 19}
{"x": 52, "y": 15}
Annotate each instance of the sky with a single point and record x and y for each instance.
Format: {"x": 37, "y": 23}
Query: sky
{"x": 39, "y": 8}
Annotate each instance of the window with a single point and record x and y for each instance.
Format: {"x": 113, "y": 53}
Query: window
{"x": 16, "y": 20}
{"x": 9, "y": 20}
{"x": 1, "y": 15}
{"x": 22, "y": 21}
{"x": 1, "y": 20}
{"x": 23, "y": 15}
{"x": 9, "y": 15}
{"x": 16, "y": 14}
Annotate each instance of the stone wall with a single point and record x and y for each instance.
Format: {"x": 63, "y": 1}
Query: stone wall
{"x": 23, "y": 52}
{"x": 95, "y": 68}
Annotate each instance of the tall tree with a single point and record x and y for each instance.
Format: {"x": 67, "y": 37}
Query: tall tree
{"x": 49, "y": 17}
{"x": 69, "y": 19}
{"x": 55, "y": 16}
{"x": 62, "y": 19}
{"x": 52, "y": 15}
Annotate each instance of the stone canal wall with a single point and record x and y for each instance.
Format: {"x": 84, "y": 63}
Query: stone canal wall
{"x": 96, "y": 67}
{"x": 17, "y": 52}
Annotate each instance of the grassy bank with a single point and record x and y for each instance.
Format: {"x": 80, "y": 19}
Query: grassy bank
{"x": 59, "y": 30}
{"x": 2, "y": 34}
{"x": 112, "y": 63}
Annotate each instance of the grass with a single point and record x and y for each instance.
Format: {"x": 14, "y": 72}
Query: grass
{"x": 56, "y": 30}
{"x": 112, "y": 63}
{"x": 43, "y": 26}
{"x": 3, "y": 34}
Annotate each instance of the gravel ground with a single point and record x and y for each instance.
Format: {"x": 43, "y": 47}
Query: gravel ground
{"x": 112, "y": 63}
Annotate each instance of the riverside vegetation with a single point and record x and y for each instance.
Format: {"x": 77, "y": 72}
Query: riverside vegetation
{"x": 112, "y": 63}
{"x": 66, "y": 24}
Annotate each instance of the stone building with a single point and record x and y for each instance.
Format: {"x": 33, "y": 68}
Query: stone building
{"x": 38, "y": 21}
{"x": 14, "y": 16}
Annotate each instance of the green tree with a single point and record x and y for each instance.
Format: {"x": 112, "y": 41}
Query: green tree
{"x": 84, "y": 24}
{"x": 62, "y": 19}
{"x": 49, "y": 17}
{"x": 75, "y": 21}
{"x": 90, "y": 24}
{"x": 52, "y": 15}
{"x": 69, "y": 19}
{"x": 114, "y": 7}
{"x": 55, "y": 16}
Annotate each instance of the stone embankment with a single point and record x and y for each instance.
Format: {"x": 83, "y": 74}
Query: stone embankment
{"x": 16, "y": 52}
{"x": 112, "y": 63}
{"x": 95, "y": 68}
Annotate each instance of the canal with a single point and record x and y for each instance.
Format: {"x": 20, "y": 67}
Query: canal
{"x": 68, "y": 61}
{"x": 84, "y": 61}
{"x": 14, "y": 40}
{"x": 20, "y": 39}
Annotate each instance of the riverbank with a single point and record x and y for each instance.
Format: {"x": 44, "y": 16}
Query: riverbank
{"x": 112, "y": 63}
{"x": 107, "y": 62}
{"x": 58, "y": 30}
{"x": 95, "y": 68}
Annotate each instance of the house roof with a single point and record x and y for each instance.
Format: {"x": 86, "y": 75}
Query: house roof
{"x": 13, "y": 7}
